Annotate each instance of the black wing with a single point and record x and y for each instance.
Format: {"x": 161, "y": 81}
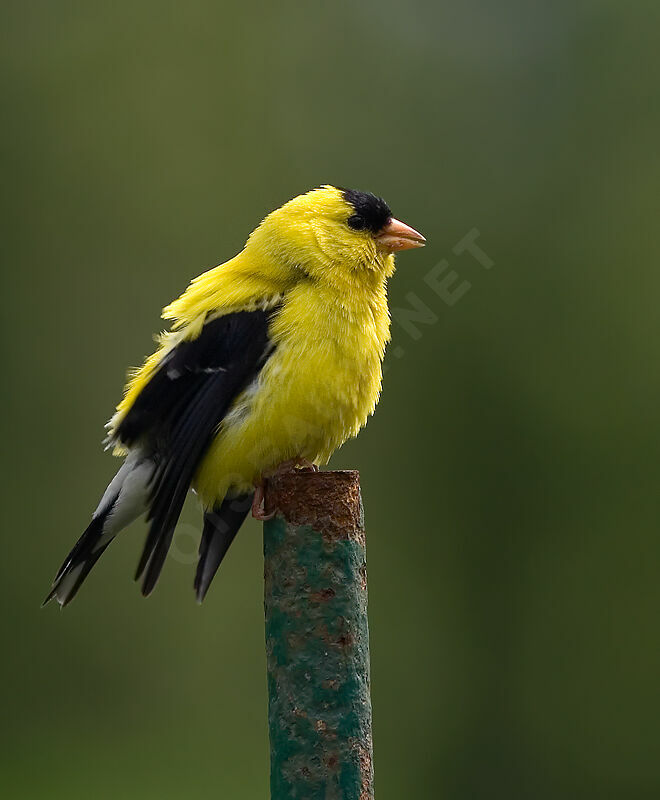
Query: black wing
{"x": 175, "y": 416}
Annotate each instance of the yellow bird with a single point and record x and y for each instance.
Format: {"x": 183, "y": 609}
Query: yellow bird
{"x": 272, "y": 362}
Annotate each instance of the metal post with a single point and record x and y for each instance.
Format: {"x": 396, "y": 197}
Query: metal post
{"x": 317, "y": 638}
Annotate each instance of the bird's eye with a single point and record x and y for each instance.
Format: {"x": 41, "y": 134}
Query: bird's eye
{"x": 357, "y": 223}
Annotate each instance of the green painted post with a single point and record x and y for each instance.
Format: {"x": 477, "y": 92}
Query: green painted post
{"x": 317, "y": 638}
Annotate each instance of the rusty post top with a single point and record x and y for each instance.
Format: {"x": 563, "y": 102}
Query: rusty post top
{"x": 327, "y": 501}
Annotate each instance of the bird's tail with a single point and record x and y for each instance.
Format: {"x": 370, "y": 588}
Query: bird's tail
{"x": 220, "y": 527}
{"x": 85, "y": 553}
{"x": 124, "y": 500}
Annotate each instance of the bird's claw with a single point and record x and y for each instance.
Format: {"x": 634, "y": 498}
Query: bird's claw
{"x": 259, "y": 500}
{"x": 259, "y": 505}
{"x": 301, "y": 464}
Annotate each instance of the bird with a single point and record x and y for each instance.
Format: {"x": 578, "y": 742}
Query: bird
{"x": 271, "y": 362}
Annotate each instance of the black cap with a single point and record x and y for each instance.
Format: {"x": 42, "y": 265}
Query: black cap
{"x": 371, "y": 213}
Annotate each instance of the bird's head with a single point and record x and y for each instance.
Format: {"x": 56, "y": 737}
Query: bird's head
{"x": 330, "y": 233}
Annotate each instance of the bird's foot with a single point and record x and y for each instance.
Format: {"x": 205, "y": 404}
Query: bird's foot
{"x": 299, "y": 463}
{"x": 259, "y": 504}
{"x": 259, "y": 500}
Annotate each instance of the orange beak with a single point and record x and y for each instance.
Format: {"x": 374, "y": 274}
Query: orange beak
{"x": 399, "y": 236}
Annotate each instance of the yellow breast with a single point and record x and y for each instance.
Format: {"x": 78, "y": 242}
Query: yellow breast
{"x": 317, "y": 389}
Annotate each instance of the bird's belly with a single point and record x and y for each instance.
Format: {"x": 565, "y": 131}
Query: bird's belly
{"x": 308, "y": 400}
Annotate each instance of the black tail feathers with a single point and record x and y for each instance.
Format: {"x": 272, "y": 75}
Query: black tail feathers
{"x": 77, "y": 565}
{"x": 220, "y": 527}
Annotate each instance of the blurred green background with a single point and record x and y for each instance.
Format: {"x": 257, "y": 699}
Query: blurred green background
{"x": 510, "y": 473}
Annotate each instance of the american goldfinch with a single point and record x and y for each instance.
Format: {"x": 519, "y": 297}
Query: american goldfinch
{"x": 272, "y": 361}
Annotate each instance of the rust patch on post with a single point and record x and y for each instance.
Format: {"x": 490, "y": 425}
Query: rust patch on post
{"x": 327, "y": 501}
